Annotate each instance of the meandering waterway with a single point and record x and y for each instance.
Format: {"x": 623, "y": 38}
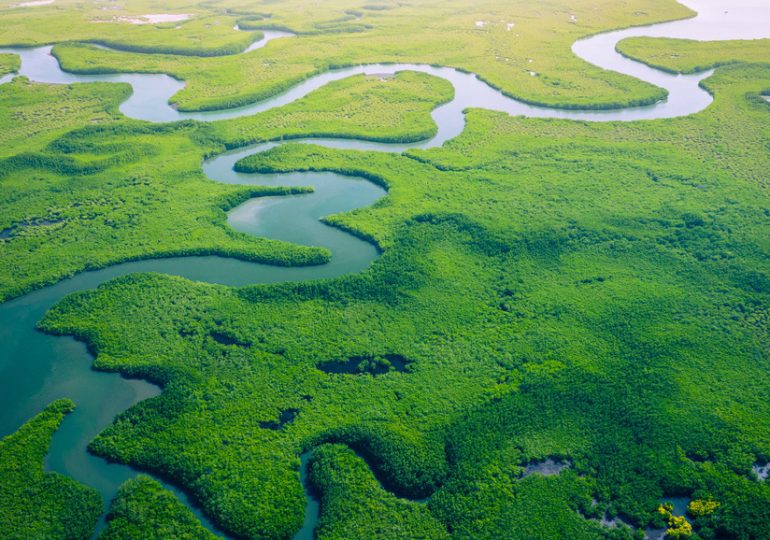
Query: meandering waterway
{"x": 36, "y": 368}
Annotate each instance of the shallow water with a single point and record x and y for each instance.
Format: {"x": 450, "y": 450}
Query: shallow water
{"x": 269, "y": 35}
{"x": 761, "y": 471}
{"x": 312, "y": 506}
{"x": 680, "y": 509}
{"x": 547, "y": 467}
{"x": 33, "y": 3}
{"x": 35, "y": 368}
{"x": 157, "y": 18}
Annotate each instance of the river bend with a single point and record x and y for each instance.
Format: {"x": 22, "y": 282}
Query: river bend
{"x": 36, "y": 369}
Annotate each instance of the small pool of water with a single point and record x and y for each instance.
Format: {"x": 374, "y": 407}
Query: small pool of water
{"x": 761, "y": 471}
{"x": 546, "y": 467}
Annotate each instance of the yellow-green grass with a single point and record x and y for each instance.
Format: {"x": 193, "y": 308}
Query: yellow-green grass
{"x": 444, "y": 33}
{"x": 207, "y": 31}
{"x": 30, "y": 122}
{"x": 9, "y": 63}
{"x": 389, "y": 109}
{"x": 689, "y": 56}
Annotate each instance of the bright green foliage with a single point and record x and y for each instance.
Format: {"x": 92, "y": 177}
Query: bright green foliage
{"x": 735, "y": 494}
{"x": 105, "y": 194}
{"x": 354, "y": 505}
{"x": 475, "y": 38}
{"x": 688, "y": 56}
{"x": 99, "y": 196}
{"x": 144, "y": 509}
{"x": 593, "y": 293}
{"x": 38, "y": 504}
{"x": 597, "y": 293}
{"x": 389, "y": 109}
{"x": 501, "y": 506}
{"x": 9, "y": 63}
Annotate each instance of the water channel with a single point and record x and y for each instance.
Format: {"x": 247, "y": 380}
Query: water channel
{"x": 36, "y": 369}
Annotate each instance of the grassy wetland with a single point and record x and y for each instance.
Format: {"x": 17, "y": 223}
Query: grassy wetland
{"x": 689, "y": 56}
{"x": 9, "y": 63}
{"x": 519, "y": 47}
{"x": 596, "y": 294}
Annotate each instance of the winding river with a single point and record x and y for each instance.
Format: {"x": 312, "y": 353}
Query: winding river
{"x": 36, "y": 368}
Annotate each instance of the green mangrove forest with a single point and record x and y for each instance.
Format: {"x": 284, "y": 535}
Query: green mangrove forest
{"x": 357, "y": 269}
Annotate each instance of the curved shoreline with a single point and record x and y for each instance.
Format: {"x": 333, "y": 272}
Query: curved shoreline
{"x": 149, "y": 101}
{"x": 266, "y": 35}
{"x": 684, "y": 93}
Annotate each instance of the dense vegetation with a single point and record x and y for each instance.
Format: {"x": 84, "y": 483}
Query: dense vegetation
{"x": 38, "y": 504}
{"x": 9, "y": 63}
{"x": 387, "y": 109}
{"x": 518, "y": 46}
{"x": 30, "y": 123}
{"x": 354, "y": 505}
{"x": 596, "y": 294}
{"x": 590, "y": 292}
{"x": 143, "y": 509}
{"x": 76, "y": 199}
